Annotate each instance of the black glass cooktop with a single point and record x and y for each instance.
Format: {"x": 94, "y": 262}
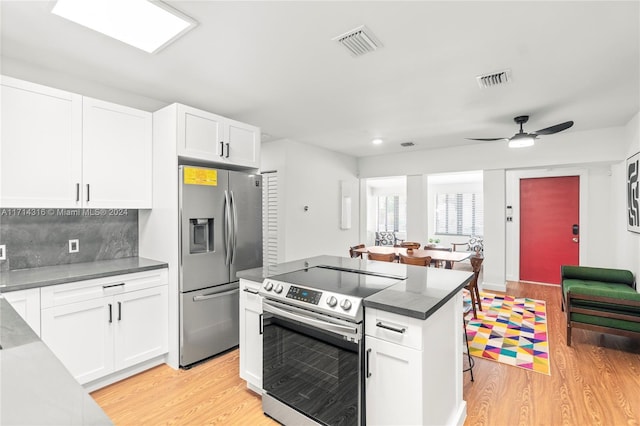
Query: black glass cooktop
{"x": 341, "y": 281}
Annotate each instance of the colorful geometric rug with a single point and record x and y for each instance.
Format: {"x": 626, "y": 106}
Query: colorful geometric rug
{"x": 511, "y": 331}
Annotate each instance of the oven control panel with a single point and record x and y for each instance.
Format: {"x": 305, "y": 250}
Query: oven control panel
{"x": 331, "y": 303}
{"x": 304, "y": 295}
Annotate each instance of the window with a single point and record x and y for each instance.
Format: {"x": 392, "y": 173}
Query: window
{"x": 459, "y": 214}
{"x": 392, "y": 213}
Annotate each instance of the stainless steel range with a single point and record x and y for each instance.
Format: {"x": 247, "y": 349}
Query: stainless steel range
{"x": 313, "y": 354}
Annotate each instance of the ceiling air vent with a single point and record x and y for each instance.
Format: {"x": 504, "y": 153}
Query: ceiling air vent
{"x": 494, "y": 79}
{"x": 359, "y": 41}
{"x": 406, "y": 144}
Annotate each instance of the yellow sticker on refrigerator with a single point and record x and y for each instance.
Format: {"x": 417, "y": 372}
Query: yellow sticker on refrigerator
{"x": 198, "y": 176}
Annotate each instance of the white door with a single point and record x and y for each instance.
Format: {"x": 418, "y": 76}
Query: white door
{"x": 117, "y": 156}
{"x": 200, "y": 134}
{"x": 40, "y": 165}
{"x": 394, "y": 393}
{"x": 81, "y": 336}
{"x": 251, "y": 335}
{"x": 142, "y": 325}
{"x": 243, "y": 147}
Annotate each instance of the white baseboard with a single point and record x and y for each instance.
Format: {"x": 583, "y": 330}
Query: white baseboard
{"x": 501, "y": 287}
{"x": 123, "y": 374}
{"x": 461, "y": 415}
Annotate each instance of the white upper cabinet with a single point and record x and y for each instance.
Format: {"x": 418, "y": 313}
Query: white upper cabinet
{"x": 41, "y": 146}
{"x": 213, "y": 138}
{"x": 59, "y": 149}
{"x": 116, "y": 155}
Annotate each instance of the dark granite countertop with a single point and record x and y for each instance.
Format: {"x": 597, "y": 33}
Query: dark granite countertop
{"x": 35, "y": 388}
{"x": 422, "y": 291}
{"x": 60, "y": 274}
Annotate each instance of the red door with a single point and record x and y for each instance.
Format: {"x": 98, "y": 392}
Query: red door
{"x": 549, "y": 209}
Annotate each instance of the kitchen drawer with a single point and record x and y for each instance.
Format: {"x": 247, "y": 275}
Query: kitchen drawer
{"x": 394, "y": 328}
{"x": 78, "y": 291}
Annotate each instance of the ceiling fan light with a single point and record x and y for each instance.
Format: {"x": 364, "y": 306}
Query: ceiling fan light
{"x": 521, "y": 142}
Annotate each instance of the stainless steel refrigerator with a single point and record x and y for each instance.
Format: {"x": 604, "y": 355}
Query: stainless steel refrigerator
{"x": 220, "y": 234}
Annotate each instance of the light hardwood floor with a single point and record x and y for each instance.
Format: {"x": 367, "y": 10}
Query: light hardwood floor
{"x": 596, "y": 381}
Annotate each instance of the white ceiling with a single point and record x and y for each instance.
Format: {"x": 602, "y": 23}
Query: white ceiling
{"x": 274, "y": 64}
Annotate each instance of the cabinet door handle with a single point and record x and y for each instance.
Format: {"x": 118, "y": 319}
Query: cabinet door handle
{"x": 368, "y": 361}
{"x": 119, "y": 311}
{"x": 88, "y": 193}
{"x": 387, "y": 327}
{"x": 77, "y": 192}
{"x": 249, "y": 290}
{"x": 112, "y": 285}
{"x": 110, "y": 314}
{"x": 221, "y": 149}
{"x": 227, "y": 156}
{"x": 261, "y": 329}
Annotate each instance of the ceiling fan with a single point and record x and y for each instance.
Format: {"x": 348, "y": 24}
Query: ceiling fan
{"x": 522, "y": 139}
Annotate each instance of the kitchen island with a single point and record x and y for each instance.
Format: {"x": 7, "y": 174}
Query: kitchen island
{"x": 412, "y": 345}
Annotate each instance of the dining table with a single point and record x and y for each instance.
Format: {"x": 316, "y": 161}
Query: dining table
{"x": 448, "y": 257}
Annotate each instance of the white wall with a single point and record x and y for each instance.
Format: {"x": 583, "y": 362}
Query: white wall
{"x": 311, "y": 176}
{"x": 417, "y": 205}
{"x": 626, "y": 245}
{"x": 494, "y": 264}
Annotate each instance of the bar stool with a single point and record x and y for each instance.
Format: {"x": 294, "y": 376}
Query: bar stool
{"x": 465, "y": 310}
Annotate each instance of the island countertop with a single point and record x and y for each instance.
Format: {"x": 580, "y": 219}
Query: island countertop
{"x": 35, "y": 388}
{"x": 60, "y": 274}
{"x": 419, "y": 293}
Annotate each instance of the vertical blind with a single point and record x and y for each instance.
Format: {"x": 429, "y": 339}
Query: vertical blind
{"x": 459, "y": 214}
{"x": 269, "y": 218}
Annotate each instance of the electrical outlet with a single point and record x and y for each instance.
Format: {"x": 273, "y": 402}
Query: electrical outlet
{"x": 3, "y": 252}
{"x": 74, "y": 246}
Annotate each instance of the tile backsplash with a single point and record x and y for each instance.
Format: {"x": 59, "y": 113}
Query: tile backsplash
{"x": 40, "y": 237}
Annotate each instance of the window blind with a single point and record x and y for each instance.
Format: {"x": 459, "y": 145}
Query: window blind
{"x": 459, "y": 214}
{"x": 269, "y": 218}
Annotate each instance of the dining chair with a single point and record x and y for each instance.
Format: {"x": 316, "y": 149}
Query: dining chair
{"x": 441, "y": 263}
{"x": 386, "y": 238}
{"x": 410, "y": 260}
{"x": 476, "y": 264}
{"x": 353, "y": 253}
{"x": 409, "y": 244}
{"x": 383, "y": 257}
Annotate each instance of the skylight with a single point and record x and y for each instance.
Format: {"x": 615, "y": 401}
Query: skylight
{"x": 147, "y": 25}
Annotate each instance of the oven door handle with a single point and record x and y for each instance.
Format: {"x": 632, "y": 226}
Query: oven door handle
{"x": 329, "y": 326}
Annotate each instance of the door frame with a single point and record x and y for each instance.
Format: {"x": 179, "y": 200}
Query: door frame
{"x": 512, "y": 231}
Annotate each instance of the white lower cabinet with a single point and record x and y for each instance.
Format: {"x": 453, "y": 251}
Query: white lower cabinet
{"x": 413, "y": 367}
{"x": 251, "y": 334}
{"x": 101, "y": 326}
{"x": 394, "y": 386}
{"x": 80, "y": 335}
{"x": 27, "y": 305}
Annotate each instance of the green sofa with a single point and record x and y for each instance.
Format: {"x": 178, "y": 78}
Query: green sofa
{"x": 600, "y": 299}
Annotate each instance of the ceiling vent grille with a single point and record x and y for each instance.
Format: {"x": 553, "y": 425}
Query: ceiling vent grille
{"x": 407, "y": 144}
{"x": 494, "y": 79}
{"x": 359, "y": 41}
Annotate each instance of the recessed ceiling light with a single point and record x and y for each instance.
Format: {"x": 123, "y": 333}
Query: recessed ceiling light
{"x": 147, "y": 25}
{"x": 376, "y": 141}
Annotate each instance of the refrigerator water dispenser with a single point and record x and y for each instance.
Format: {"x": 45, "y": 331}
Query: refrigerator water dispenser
{"x": 201, "y": 235}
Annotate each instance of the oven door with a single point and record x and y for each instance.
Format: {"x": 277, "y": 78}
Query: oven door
{"x": 311, "y": 365}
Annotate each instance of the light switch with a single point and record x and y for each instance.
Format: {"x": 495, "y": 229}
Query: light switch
{"x": 74, "y": 246}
